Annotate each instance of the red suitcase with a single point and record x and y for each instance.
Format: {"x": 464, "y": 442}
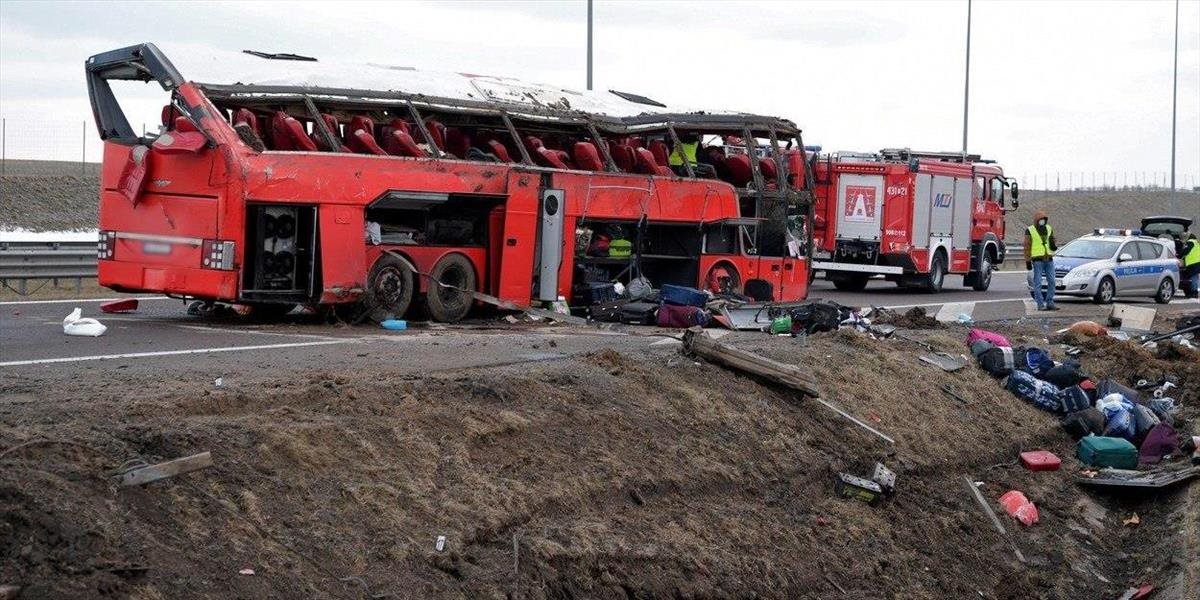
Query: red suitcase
{"x": 1040, "y": 460}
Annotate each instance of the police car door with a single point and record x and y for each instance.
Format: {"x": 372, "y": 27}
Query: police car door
{"x": 1150, "y": 267}
{"x": 1128, "y": 269}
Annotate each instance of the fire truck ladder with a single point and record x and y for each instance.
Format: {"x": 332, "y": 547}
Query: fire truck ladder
{"x": 904, "y": 154}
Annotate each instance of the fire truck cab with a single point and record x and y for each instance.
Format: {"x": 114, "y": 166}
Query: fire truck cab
{"x": 911, "y": 217}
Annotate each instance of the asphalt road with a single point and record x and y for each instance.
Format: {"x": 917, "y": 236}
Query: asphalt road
{"x": 161, "y": 340}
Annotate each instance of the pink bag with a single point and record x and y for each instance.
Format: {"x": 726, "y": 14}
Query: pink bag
{"x": 1017, "y": 505}
{"x": 996, "y": 339}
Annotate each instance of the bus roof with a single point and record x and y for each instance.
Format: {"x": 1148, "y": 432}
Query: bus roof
{"x": 262, "y": 75}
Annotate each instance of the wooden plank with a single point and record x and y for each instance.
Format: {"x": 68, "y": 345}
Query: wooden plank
{"x": 696, "y": 342}
{"x": 171, "y": 468}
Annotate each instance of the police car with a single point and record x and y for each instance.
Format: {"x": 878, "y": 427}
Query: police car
{"x": 1115, "y": 262}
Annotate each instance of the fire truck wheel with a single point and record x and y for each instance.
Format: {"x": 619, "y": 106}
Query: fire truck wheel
{"x": 450, "y": 304}
{"x": 853, "y": 282}
{"x": 983, "y": 279}
{"x": 937, "y": 273}
{"x": 389, "y": 290}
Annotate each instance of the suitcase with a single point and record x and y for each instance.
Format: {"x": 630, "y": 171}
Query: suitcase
{"x": 1041, "y": 394}
{"x": 638, "y": 313}
{"x": 608, "y": 312}
{"x": 1109, "y": 386}
{"x": 1113, "y": 452}
{"x": 681, "y": 317}
{"x": 1040, "y": 460}
{"x": 1074, "y": 398}
{"x": 1083, "y": 423}
{"x": 997, "y": 361}
{"x": 682, "y": 296}
{"x": 588, "y": 294}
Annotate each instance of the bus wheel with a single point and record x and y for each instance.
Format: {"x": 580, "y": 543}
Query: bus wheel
{"x": 449, "y": 302}
{"x": 937, "y": 273}
{"x": 723, "y": 278}
{"x": 389, "y": 290}
{"x": 854, "y": 282}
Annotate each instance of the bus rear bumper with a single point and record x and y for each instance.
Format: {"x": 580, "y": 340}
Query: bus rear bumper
{"x": 208, "y": 284}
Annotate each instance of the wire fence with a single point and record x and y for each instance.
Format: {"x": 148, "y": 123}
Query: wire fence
{"x": 23, "y": 141}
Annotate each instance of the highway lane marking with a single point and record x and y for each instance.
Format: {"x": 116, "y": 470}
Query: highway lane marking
{"x": 71, "y": 359}
{"x": 21, "y": 302}
{"x": 208, "y": 329}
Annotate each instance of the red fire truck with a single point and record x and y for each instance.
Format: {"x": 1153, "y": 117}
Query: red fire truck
{"x": 912, "y": 217}
{"x": 279, "y": 179}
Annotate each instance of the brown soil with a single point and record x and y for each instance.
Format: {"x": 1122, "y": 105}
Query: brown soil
{"x": 607, "y": 475}
{"x": 1076, "y": 213}
{"x": 915, "y": 318}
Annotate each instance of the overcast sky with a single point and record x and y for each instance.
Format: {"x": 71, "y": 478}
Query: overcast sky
{"x": 1055, "y": 86}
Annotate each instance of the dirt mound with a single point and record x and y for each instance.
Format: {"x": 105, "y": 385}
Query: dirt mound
{"x": 914, "y": 318}
{"x": 604, "y": 475}
{"x": 1076, "y": 213}
{"x": 49, "y": 202}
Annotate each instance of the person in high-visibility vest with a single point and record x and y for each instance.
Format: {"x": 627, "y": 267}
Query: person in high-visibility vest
{"x": 1190, "y": 274}
{"x": 1040, "y": 247}
{"x": 689, "y": 144}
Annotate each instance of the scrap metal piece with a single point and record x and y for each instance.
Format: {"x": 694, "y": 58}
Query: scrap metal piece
{"x": 944, "y": 361}
{"x": 1153, "y": 480}
{"x": 149, "y": 473}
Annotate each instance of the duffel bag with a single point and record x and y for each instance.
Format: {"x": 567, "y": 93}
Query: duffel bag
{"x": 1111, "y": 386}
{"x": 1034, "y": 361}
{"x": 996, "y": 339}
{"x": 1041, "y": 394}
{"x": 1074, "y": 398}
{"x": 1064, "y": 375}
{"x": 681, "y": 317}
{"x": 980, "y": 346}
{"x": 1083, "y": 423}
{"x": 997, "y": 361}
{"x": 682, "y": 296}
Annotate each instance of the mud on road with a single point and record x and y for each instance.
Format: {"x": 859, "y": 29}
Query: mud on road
{"x": 626, "y": 475}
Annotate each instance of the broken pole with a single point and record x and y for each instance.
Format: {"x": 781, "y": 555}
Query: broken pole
{"x": 171, "y": 468}
{"x": 987, "y": 508}
{"x": 696, "y": 342}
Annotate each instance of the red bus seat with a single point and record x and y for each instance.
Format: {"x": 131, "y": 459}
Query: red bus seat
{"x": 360, "y": 136}
{"x": 770, "y": 170}
{"x": 458, "y": 142}
{"x": 587, "y": 157}
{"x": 398, "y": 140}
{"x": 331, "y": 123}
{"x": 288, "y": 134}
{"x": 646, "y": 164}
{"x": 622, "y": 156}
{"x": 437, "y": 131}
{"x": 245, "y": 116}
{"x": 168, "y": 115}
{"x": 550, "y": 158}
{"x": 499, "y": 150}
{"x": 661, "y": 155}
{"x": 738, "y": 166}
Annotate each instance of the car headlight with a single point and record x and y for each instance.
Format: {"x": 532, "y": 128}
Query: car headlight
{"x": 1083, "y": 273}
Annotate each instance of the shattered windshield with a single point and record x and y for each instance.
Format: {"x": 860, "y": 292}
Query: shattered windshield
{"x": 1095, "y": 249}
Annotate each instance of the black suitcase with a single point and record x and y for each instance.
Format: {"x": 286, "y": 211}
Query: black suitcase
{"x": 1074, "y": 398}
{"x": 608, "y": 312}
{"x": 638, "y": 313}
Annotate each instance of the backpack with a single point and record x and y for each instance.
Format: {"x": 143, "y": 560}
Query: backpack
{"x": 1083, "y": 423}
{"x": 1074, "y": 398}
{"x": 1064, "y": 375}
{"x": 814, "y": 317}
{"x": 1034, "y": 361}
{"x": 1041, "y": 394}
{"x": 997, "y": 361}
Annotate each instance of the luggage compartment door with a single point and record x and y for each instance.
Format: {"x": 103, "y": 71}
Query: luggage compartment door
{"x": 859, "y": 207}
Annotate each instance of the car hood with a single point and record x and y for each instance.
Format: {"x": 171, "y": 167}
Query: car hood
{"x": 1063, "y": 265}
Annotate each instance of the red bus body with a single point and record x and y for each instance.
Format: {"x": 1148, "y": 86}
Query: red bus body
{"x": 905, "y": 216}
{"x": 186, "y": 216}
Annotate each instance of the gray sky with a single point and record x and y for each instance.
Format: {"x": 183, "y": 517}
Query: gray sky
{"x": 1055, "y": 86}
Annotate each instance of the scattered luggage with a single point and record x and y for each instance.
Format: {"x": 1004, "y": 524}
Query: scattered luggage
{"x": 1041, "y": 394}
{"x": 607, "y": 312}
{"x": 995, "y": 339}
{"x": 1034, "y": 361}
{"x": 1083, "y": 423}
{"x": 979, "y": 347}
{"x": 1118, "y": 416}
{"x": 814, "y": 317}
{"x": 682, "y": 296}
{"x": 1105, "y": 451}
{"x": 1161, "y": 441}
{"x": 1064, "y": 375}
{"x": 998, "y": 361}
{"x": 681, "y": 317}
{"x": 1040, "y": 460}
{"x": 1111, "y": 386}
{"x": 1144, "y": 419}
{"x": 591, "y": 293}
{"x": 638, "y": 313}
{"x": 1074, "y": 398}
{"x": 620, "y": 249}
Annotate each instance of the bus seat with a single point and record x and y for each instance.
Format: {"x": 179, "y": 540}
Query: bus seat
{"x": 533, "y": 143}
{"x": 738, "y": 166}
{"x": 549, "y": 158}
{"x": 587, "y": 157}
{"x": 661, "y": 154}
{"x": 770, "y": 170}
{"x": 288, "y": 134}
{"x": 168, "y": 115}
{"x": 458, "y": 142}
{"x": 646, "y": 164}
{"x": 499, "y": 150}
{"x": 622, "y": 155}
{"x": 360, "y": 136}
{"x": 437, "y": 131}
{"x": 331, "y": 123}
{"x": 183, "y": 124}
{"x": 245, "y": 116}
{"x": 401, "y": 143}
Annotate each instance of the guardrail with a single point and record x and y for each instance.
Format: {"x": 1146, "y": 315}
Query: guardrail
{"x": 22, "y": 262}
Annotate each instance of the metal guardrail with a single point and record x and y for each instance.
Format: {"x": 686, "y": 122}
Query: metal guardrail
{"x": 22, "y": 262}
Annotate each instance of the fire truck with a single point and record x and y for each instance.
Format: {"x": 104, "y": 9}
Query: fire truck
{"x": 279, "y": 180}
{"x": 911, "y": 217}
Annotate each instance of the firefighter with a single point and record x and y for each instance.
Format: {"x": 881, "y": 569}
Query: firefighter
{"x": 1190, "y": 274}
{"x": 686, "y": 150}
{"x": 1039, "y": 258}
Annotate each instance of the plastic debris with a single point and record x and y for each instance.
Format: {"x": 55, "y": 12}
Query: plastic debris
{"x": 1019, "y": 507}
{"x": 220, "y": 381}
{"x": 440, "y": 545}
{"x": 123, "y": 305}
{"x": 1132, "y": 521}
{"x": 76, "y": 324}
{"x": 246, "y": 571}
{"x": 394, "y": 324}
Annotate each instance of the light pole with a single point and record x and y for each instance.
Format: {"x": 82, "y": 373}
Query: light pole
{"x": 589, "y": 47}
{"x": 1174, "y": 103}
{"x": 967, "y": 79}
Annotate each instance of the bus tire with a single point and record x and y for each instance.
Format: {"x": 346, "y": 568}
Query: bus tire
{"x": 937, "y": 273}
{"x": 853, "y": 282}
{"x": 450, "y": 304}
{"x": 389, "y": 292}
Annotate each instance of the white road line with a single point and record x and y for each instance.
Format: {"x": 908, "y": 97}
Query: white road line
{"x": 70, "y": 359}
{"x": 950, "y": 311}
{"x": 20, "y": 302}
{"x": 208, "y": 329}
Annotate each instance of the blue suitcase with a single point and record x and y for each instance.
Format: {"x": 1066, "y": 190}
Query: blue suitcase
{"x": 683, "y": 296}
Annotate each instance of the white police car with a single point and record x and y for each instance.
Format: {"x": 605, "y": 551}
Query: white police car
{"x": 1115, "y": 262}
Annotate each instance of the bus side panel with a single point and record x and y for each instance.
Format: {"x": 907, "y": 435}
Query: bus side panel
{"x": 342, "y": 251}
{"x": 519, "y": 239}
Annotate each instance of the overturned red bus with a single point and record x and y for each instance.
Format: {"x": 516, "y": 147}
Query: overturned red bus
{"x": 279, "y": 180}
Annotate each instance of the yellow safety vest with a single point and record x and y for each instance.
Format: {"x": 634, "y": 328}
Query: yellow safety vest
{"x": 689, "y": 150}
{"x": 1039, "y": 247}
{"x": 1193, "y": 256}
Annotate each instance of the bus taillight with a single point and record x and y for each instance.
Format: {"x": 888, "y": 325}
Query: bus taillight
{"x": 218, "y": 254}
